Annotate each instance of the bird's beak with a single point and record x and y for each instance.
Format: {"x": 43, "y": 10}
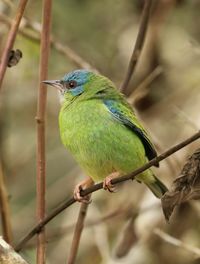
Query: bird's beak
{"x": 55, "y": 83}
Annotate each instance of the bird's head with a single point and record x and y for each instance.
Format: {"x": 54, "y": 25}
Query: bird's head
{"x": 79, "y": 82}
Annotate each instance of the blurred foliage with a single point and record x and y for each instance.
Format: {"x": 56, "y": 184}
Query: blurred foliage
{"x": 103, "y": 33}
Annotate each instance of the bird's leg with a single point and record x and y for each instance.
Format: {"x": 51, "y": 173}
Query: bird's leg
{"x": 107, "y": 185}
{"x": 80, "y": 186}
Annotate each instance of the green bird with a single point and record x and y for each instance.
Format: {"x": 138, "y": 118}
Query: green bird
{"x": 102, "y": 132}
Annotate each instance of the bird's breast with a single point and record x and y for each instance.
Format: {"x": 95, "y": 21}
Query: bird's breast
{"x": 83, "y": 123}
{"x": 99, "y": 142}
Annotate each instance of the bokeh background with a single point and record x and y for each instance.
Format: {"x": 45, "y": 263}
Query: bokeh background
{"x": 120, "y": 227}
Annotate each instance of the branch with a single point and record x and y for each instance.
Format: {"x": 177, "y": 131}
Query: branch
{"x": 142, "y": 87}
{"x": 5, "y": 210}
{"x": 99, "y": 186}
{"x": 138, "y": 44}
{"x": 58, "y": 46}
{"x": 63, "y": 49}
{"x": 77, "y": 233}
{"x": 176, "y": 242}
{"x": 8, "y": 255}
{"x": 41, "y": 109}
{"x": 11, "y": 39}
{"x": 120, "y": 211}
{"x": 72, "y": 55}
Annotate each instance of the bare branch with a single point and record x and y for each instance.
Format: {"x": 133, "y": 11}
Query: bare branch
{"x": 72, "y": 55}
{"x": 138, "y": 45}
{"x": 58, "y": 46}
{"x": 8, "y": 255}
{"x": 5, "y": 210}
{"x": 11, "y": 39}
{"x": 120, "y": 212}
{"x": 176, "y": 242}
{"x": 142, "y": 87}
{"x": 186, "y": 118}
{"x": 99, "y": 186}
{"x": 77, "y": 233}
{"x": 41, "y": 109}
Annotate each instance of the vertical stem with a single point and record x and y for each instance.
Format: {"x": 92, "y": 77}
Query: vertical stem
{"x": 5, "y": 212}
{"x": 138, "y": 44}
{"x": 77, "y": 233}
{"x": 41, "y": 109}
{"x": 11, "y": 38}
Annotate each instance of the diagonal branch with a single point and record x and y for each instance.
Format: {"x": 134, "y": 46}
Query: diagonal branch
{"x": 138, "y": 44}
{"x": 119, "y": 212}
{"x": 11, "y": 38}
{"x": 176, "y": 242}
{"x": 99, "y": 186}
{"x": 41, "y": 109}
{"x": 141, "y": 89}
{"x": 58, "y": 46}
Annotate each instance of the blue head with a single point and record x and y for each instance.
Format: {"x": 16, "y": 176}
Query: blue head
{"x": 83, "y": 84}
{"x": 72, "y": 83}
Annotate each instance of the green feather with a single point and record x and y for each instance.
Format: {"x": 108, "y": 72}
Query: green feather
{"x": 106, "y": 137}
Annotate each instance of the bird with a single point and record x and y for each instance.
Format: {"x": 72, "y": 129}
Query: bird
{"x": 102, "y": 132}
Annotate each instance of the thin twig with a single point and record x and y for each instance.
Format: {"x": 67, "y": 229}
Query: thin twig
{"x": 138, "y": 44}
{"x": 11, "y": 39}
{"x": 186, "y": 118}
{"x": 58, "y": 46}
{"x": 99, "y": 186}
{"x": 176, "y": 242}
{"x": 117, "y": 212}
{"x": 72, "y": 55}
{"x": 77, "y": 233}
{"x": 120, "y": 211}
{"x": 145, "y": 83}
{"x": 41, "y": 109}
{"x": 5, "y": 210}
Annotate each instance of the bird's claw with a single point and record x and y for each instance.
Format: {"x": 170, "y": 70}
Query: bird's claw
{"x": 77, "y": 195}
{"x": 107, "y": 185}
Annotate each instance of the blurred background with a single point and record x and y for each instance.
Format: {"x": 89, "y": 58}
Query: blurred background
{"x": 120, "y": 227}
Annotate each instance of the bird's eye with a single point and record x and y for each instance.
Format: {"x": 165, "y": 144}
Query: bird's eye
{"x": 72, "y": 84}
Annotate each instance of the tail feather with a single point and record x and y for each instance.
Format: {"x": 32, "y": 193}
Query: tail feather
{"x": 157, "y": 187}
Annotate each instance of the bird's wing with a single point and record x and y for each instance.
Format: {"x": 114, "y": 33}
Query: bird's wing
{"x": 123, "y": 112}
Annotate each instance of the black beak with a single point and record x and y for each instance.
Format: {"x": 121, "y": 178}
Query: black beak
{"x": 55, "y": 83}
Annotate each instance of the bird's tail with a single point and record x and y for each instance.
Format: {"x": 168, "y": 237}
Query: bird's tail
{"x": 153, "y": 183}
{"x": 157, "y": 187}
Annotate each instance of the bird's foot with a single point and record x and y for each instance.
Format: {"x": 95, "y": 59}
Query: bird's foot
{"x": 79, "y": 187}
{"x": 107, "y": 185}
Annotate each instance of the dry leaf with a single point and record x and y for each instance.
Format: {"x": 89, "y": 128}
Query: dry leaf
{"x": 184, "y": 188}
